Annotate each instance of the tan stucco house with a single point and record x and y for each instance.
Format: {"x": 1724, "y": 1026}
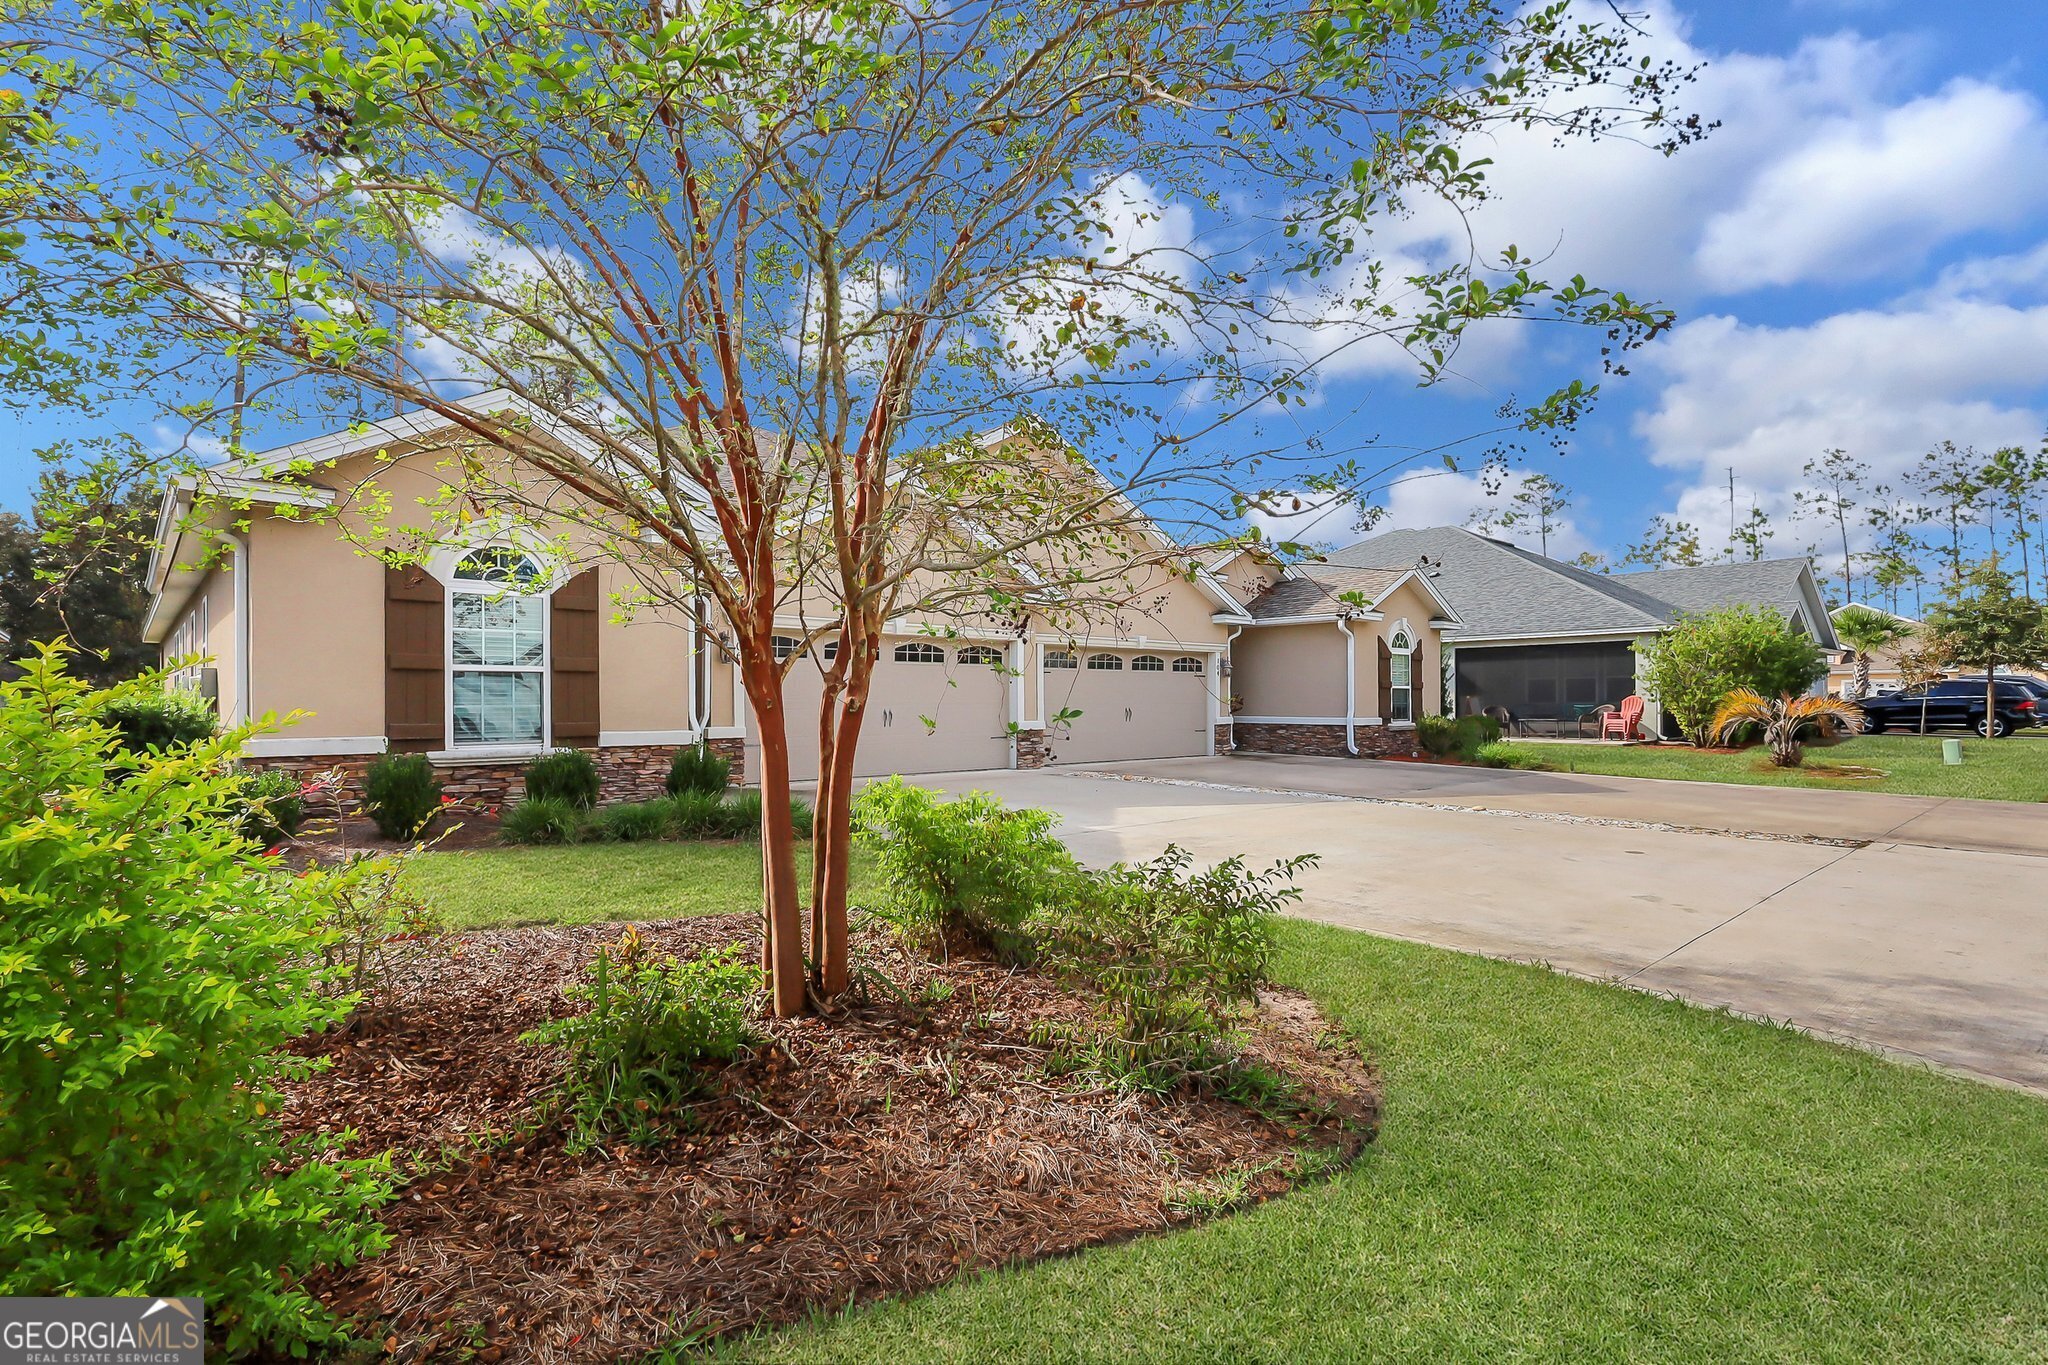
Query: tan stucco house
{"x": 502, "y": 646}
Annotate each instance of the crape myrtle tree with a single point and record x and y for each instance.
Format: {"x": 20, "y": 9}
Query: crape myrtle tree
{"x": 760, "y": 279}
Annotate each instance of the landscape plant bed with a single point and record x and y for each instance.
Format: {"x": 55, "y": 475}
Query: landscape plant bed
{"x": 881, "y": 1151}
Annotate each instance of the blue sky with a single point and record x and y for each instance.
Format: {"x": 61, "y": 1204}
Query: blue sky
{"x": 1859, "y": 257}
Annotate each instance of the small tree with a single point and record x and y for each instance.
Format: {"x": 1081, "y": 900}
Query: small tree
{"x": 1983, "y": 623}
{"x": 1840, "y": 484}
{"x": 1539, "y": 502}
{"x": 1668, "y": 543}
{"x": 1693, "y": 666}
{"x": 1864, "y": 631}
{"x": 1920, "y": 667}
{"x": 1787, "y": 722}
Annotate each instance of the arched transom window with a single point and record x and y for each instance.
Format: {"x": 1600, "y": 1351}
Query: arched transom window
{"x": 981, "y": 655}
{"x": 1059, "y": 658}
{"x": 918, "y": 652}
{"x": 1107, "y": 663}
{"x": 1188, "y": 663}
{"x": 1148, "y": 663}
{"x": 497, "y": 649}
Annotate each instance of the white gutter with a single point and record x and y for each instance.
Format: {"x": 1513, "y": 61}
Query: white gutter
{"x": 1350, "y": 688}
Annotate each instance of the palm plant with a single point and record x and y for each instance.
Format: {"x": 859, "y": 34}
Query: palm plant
{"x": 1787, "y": 721}
{"x": 1864, "y": 631}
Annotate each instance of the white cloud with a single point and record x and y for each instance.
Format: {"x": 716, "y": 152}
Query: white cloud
{"x": 1866, "y": 193}
{"x": 1885, "y": 385}
{"x": 1438, "y": 497}
{"x": 1416, "y": 497}
{"x": 1319, "y": 519}
{"x": 1821, "y": 167}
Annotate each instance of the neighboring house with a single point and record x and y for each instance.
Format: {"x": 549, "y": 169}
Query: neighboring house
{"x": 1336, "y": 660}
{"x": 496, "y": 649}
{"x": 1549, "y": 641}
{"x": 1884, "y": 664}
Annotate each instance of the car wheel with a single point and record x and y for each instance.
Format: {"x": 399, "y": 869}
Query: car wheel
{"x": 1995, "y": 728}
{"x": 1872, "y": 725}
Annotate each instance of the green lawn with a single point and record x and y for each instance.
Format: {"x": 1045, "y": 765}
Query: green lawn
{"x": 587, "y": 883}
{"x": 2014, "y": 769}
{"x": 1567, "y": 1171}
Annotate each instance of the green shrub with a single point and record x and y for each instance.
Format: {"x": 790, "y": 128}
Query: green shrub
{"x": 801, "y": 817}
{"x": 542, "y": 821}
{"x": 1442, "y": 737}
{"x": 1437, "y": 735}
{"x": 274, "y": 810}
{"x": 740, "y": 816}
{"x": 1704, "y": 657}
{"x": 159, "y": 719}
{"x": 1498, "y": 755}
{"x": 652, "y": 1023}
{"x": 1175, "y": 956}
{"x": 696, "y": 770}
{"x": 402, "y": 794}
{"x": 157, "y": 967}
{"x": 563, "y": 775}
{"x": 632, "y": 823}
{"x": 969, "y": 866}
{"x": 697, "y": 815}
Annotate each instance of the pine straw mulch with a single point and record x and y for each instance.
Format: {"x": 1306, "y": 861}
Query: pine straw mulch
{"x": 878, "y": 1152}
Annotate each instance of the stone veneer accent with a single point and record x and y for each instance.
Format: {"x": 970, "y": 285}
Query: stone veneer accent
{"x": 1033, "y": 749}
{"x": 1325, "y": 741}
{"x": 628, "y": 772}
{"x": 1222, "y": 737}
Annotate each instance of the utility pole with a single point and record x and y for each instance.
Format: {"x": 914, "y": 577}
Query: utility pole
{"x": 1731, "y": 505}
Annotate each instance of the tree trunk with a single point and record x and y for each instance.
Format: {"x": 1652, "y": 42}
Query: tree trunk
{"x": 782, "y": 956}
{"x": 1991, "y": 699}
{"x": 1862, "y": 676}
{"x": 839, "y": 724}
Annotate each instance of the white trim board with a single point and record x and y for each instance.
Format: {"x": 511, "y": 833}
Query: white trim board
{"x": 288, "y": 746}
{"x": 1305, "y": 720}
{"x": 620, "y": 739}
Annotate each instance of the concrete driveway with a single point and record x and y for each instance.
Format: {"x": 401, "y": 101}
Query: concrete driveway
{"x": 1889, "y": 936}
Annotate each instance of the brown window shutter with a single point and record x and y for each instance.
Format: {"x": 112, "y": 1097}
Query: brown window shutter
{"x": 1386, "y": 693}
{"x": 573, "y": 627}
{"x": 415, "y": 680}
{"x": 1418, "y": 695}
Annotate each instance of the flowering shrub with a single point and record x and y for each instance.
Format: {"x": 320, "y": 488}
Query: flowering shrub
{"x": 153, "y": 966}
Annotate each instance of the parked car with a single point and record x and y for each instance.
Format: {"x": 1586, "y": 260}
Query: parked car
{"x": 2035, "y": 685}
{"x": 1955, "y": 705}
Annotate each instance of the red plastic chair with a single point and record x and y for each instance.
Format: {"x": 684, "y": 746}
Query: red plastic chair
{"x": 1622, "y": 724}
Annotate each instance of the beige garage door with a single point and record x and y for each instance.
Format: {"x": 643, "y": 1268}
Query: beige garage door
{"x": 1133, "y": 704}
{"x": 948, "y": 684}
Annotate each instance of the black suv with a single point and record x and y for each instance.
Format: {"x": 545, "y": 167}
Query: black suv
{"x": 1957, "y": 704}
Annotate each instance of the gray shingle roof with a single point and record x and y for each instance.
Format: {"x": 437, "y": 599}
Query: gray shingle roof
{"x": 1503, "y": 590}
{"x": 1312, "y": 590}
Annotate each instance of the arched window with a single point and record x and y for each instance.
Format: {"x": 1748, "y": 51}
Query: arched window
{"x": 1188, "y": 663}
{"x": 786, "y": 647}
{"x": 498, "y": 564}
{"x": 981, "y": 654}
{"x": 918, "y": 652}
{"x": 1059, "y": 658}
{"x": 830, "y": 651}
{"x": 1400, "y": 677}
{"x": 497, "y": 649}
{"x": 1107, "y": 663}
{"x": 1148, "y": 663}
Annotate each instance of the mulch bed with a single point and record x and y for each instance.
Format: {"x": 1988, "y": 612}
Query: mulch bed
{"x": 878, "y": 1152}
{"x": 327, "y": 841}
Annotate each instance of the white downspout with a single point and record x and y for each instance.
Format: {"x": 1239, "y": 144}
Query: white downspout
{"x": 245, "y": 692}
{"x": 1350, "y": 688}
{"x": 1230, "y": 658}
